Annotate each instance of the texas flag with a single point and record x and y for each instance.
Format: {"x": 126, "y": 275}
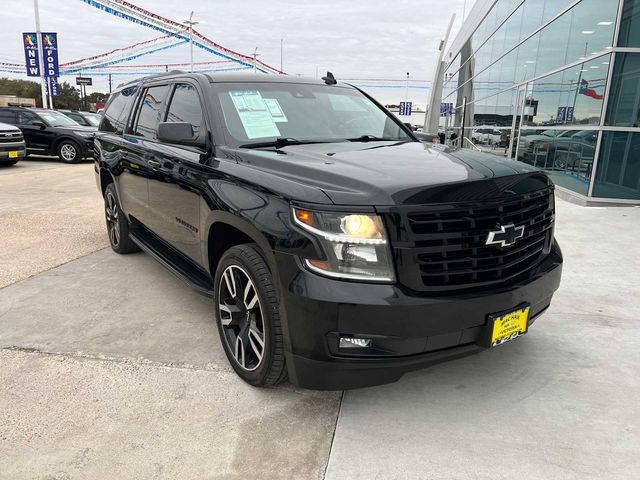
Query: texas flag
{"x": 589, "y": 92}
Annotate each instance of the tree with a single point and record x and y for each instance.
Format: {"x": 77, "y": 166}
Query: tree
{"x": 69, "y": 97}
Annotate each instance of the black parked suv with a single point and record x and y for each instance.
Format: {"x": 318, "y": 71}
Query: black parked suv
{"x": 48, "y": 132}
{"x": 336, "y": 247}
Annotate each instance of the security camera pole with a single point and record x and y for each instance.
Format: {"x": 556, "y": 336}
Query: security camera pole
{"x": 40, "y": 54}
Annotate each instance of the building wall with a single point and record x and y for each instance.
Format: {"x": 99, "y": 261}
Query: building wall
{"x": 13, "y": 101}
{"x": 554, "y": 83}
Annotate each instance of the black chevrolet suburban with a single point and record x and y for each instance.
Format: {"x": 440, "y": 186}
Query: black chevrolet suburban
{"x": 338, "y": 250}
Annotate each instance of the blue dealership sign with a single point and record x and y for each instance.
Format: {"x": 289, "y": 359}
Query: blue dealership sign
{"x": 49, "y": 53}
{"x": 446, "y": 109}
{"x": 52, "y": 86}
{"x": 565, "y": 114}
{"x": 405, "y": 109}
{"x": 30, "y": 42}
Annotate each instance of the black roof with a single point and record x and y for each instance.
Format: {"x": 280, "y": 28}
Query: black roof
{"x": 230, "y": 77}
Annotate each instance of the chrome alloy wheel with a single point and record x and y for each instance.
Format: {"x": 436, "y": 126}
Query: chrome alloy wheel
{"x": 68, "y": 152}
{"x": 241, "y": 317}
{"x": 111, "y": 214}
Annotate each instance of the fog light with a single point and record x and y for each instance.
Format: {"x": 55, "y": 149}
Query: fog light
{"x": 350, "y": 342}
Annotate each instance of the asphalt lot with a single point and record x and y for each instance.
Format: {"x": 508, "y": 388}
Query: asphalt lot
{"x": 111, "y": 368}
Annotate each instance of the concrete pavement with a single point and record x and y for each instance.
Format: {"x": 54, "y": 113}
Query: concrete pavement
{"x": 50, "y": 213}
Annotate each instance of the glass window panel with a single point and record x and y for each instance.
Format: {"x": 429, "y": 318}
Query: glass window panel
{"x": 531, "y": 17}
{"x": 619, "y": 166}
{"x": 512, "y": 28}
{"x": 630, "y": 25}
{"x": 567, "y": 155}
{"x": 553, "y": 8}
{"x": 553, "y": 45}
{"x": 545, "y": 100}
{"x": 526, "y": 61}
{"x": 624, "y": 100}
{"x": 149, "y": 111}
{"x": 508, "y": 69}
{"x": 504, "y": 108}
{"x": 589, "y": 34}
{"x": 584, "y": 86}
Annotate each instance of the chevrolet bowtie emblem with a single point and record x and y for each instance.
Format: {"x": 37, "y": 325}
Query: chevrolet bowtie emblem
{"x": 506, "y": 236}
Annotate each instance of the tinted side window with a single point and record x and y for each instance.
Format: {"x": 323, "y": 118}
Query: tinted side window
{"x": 76, "y": 117}
{"x": 115, "y": 113}
{"x": 25, "y": 118}
{"x": 7, "y": 116}
{"x": 185, "y": 107}
{"x": 149, "y": 111}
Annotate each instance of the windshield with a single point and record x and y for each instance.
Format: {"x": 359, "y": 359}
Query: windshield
{"x": 92, "y": 118}
{"x": 55, "y": 119}
{"x": 263, "y": 112}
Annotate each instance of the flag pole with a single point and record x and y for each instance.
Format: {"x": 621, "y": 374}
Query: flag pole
{"x": 40, "y": 54}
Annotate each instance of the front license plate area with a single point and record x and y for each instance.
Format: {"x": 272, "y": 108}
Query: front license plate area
{"x": 507, "y": 326}
{"x": 13, "y": 154}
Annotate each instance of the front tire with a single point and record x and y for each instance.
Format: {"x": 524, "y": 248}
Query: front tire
{"x": 248, "y": 316}
{"x": 117, "y": 225}
{"x": 69, "y": 151}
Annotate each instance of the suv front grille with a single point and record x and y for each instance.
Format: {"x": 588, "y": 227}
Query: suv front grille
{"x": 10, "y": 137}
{"x": 445, "y": 245}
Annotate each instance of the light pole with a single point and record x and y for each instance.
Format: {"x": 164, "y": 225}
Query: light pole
{"x": 40, "y": 55}
{"x": 255, "y": 60}
{"x": 191, "y": 23}
{"x": 406, "y": 96}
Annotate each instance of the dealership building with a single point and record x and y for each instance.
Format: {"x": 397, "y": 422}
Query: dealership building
{"x": 556, "y": 84}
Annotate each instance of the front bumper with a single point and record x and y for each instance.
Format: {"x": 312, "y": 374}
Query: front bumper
{"x": 6, "y": 148}
{"x": 409, "y": 330}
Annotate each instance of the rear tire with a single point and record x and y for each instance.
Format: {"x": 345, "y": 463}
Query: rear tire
{"x": 117, "y": 225}
{"x": 69, "y": 151}
{"x": 248, "y": 316}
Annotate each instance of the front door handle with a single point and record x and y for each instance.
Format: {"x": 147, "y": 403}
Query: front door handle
{"x": 154, "y": 164}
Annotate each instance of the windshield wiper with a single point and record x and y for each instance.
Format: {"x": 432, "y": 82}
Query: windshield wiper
{"x": 281, "y": 142}
{"x": 372, "y": 138}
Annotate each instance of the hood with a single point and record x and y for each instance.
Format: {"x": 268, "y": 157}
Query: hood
{"x": 5, "y": 127}
{"x": 80, "y": 128}
{"x": 392, "y": 173}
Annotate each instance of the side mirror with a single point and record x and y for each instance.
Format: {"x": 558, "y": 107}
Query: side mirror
{"x": 38, "y": 123}
{"x": 179, "y": 133}
{"x": 408, "y": 125}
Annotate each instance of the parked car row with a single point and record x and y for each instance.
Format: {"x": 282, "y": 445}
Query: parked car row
{"x": 65, "y": 133}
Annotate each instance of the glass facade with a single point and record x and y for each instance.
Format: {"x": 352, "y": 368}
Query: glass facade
{"x": 553, "y": 83}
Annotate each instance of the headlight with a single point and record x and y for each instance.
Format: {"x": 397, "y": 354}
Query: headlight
{"x": 355, "y": 245}
{"x": 84, "y": 134}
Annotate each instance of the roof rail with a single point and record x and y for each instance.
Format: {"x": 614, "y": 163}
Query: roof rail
{"x": 155, "y": 75}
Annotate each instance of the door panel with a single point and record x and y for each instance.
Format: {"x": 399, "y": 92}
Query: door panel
{"x": 175, "y": 191}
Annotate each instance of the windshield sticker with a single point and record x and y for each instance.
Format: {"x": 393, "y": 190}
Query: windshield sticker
{"x": 275, "y": 110}
{"x": 254, "y": 114}
{"x": 345, "y": 103}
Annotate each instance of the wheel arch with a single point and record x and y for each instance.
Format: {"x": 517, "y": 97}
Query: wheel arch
{"x": 224, "y": 231}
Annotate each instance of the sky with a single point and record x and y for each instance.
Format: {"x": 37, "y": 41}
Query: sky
{"x": 354, "y": 39}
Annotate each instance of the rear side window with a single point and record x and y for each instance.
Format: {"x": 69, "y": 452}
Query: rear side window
{"x": 115, "y": 113}
{"x": 76, "y": 117}
{"x": 185, "y": 107}
{"x": 25, "y": 118}
{"x": 7, "y": 116}
{"x": 149, "y": 111}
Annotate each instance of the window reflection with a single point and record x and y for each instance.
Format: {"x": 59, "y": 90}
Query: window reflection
{"x": 566, "y": 154}
{"x": 571, "y": 97}
{"x": 630, "y": 25}
{"x": 624, "y": 101}
{"x": 619, "y": 166}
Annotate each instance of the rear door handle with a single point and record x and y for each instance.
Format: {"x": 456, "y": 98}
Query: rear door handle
{"x": 154, "y": 163}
